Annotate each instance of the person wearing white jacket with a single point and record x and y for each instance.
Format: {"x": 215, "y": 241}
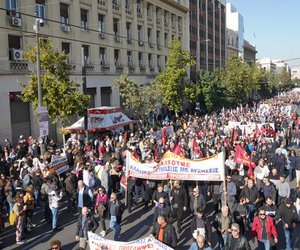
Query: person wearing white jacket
{"x": 54, "y": 203}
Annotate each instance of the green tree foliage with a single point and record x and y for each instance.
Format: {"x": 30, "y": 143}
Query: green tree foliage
{"x": 139, "y": 99}
{"x": 212, "y": 92}
{"x": 171, "y": 82}
{"x": 60, "y": 94}
{"x": 234, "y": 78}
{"x": 241, "y": 80}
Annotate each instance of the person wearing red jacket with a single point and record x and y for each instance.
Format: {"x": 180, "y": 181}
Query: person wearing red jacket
{"x": 264, "y": 229}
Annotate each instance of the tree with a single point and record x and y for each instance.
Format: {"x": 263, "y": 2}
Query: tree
{"x": 212, "y": 91}
{"x": 60, "y": 94}
{"x": 139, "y": 99}
{"x": 171, "y": 82}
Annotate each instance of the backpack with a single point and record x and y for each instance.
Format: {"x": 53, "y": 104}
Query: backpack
{"x": 13, "y": 218}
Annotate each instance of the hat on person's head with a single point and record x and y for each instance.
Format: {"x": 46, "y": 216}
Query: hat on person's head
{"x": 288, "y": 201}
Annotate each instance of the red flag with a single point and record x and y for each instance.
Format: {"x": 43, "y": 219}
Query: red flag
{"x": 177, "y": 150}
{"x": 241, "y": 157}
{"x": 156, "y": 156}
{"x": 196, "y": 148}
{"x": 135, "y": 154}
{"x": 123, "y": 182}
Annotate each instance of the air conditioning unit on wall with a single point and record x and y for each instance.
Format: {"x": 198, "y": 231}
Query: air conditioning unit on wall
{"x": 15, "y": 21}
{"x": 17, "y": 55}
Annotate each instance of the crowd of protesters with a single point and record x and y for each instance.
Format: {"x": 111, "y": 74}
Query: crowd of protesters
{"x": 257, "y": 203}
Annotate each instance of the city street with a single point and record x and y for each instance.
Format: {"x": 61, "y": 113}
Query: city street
{"x": 134, "y": 226}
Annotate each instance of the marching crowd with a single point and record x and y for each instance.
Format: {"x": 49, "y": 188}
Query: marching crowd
{"x": 255, "y": 201}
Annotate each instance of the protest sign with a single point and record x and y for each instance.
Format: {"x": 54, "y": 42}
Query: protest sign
{"x": 59, "y": 164}
{"x": 96, "y": 242}
{"x": 175, "y": 167}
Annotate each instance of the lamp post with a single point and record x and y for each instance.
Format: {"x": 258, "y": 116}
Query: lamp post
{"x": 39, "y": 22}
{"x": 83, "y": 64}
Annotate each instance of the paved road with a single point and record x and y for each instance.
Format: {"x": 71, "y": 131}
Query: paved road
{"x": 135, "y": 225}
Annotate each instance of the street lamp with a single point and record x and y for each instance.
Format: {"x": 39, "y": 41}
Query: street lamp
{"x": 83, "y": 64}
{"x": 39, "y": 22}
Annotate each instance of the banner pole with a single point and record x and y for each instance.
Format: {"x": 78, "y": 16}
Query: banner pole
{"x": 224, "y": 179}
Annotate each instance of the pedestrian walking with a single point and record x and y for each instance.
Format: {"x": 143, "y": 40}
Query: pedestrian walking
{"x": 54, "y": 204}
{"x": 101, "y": 205}
{"x": 164, "y": 232}
{"x": 235, "y": 240}
{"x": 264, "y": 230}
{"x": 200, "y": 244}
{"x": 289, "y": 218}
{"x": 85, "y": 223}
{"x": 116, "y": 209}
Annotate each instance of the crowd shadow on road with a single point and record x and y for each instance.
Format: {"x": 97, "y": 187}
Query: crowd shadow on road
{"x": 40, "y": 234}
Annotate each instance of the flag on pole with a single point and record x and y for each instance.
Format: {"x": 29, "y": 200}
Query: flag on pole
{"x": 241, "y": 157}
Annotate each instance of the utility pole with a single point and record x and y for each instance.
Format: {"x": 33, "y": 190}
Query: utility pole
{"x": 83, "y": 63}
{"x": 39, "y": 22}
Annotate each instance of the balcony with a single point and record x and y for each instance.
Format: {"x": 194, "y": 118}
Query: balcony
{"x": 142, "y": 67}
{"x": 89, "y": 68}
{"x": 118, "y": 65}
{"x": 116, "y": 7}
{"x": 131, "y": 66}
{"x": 71, "y": 67}
{"x": 104, "y": 66}
{"x": 19, "y": 66}
{"x": 158, "y": 47}
{"x": 149, "y": 19}
{"x": 102, "y": 4}
{"x": 128, "y": 11}
{"x": 151, "y": 67}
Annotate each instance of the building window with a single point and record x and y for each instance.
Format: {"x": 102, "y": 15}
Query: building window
{"x": 128, "y": 5}
{"x": 139, "y": 9}
{"x": 158, "y": 61}
{"x": 117, "y": 57}
{"x": 116, "y": 26}
{"x": 64, "y": 14}
{"x": 128, "y": 30}
{"x": 40, "y": 9}
{"x": 15, "y": 48}
{"x": 101, "y": 23}
{"x": 129, "y": 58}
{"x": 86, "y": 54}
{"x": 149, "y": 35}
{"x": 84, "y": 19}
{"x": 66, "y": 48}
{"x": 166, "y": 39}
{"x": 102, "y": 56}
{"x": 140, "y": 58}
{"x": 140, "y": 33}
{"x": 149, "y": 11}
{"x": 150, "y": 61}
{"x": 158, "y": 38}
{"x": 12, "y": 7}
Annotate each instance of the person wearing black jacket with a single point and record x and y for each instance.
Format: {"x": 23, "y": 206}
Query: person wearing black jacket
{"x": 179, "y": 202}
{"x": 250, "y": 192}
{"x": 201, "y": 226}
{"x": 85, "y": 223}
{"x": 197, "y": 200}
{"x": 289, "y": 218}
{"x": 164, "y": 232}
{"x": 235, "y": 241}
{"x": 115, "y": 209}
{"x": 271, "y": 209}
{"x": 37, "y": 182}
{"x": 268, "y": 189}
{"x": 222, "y": 224}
